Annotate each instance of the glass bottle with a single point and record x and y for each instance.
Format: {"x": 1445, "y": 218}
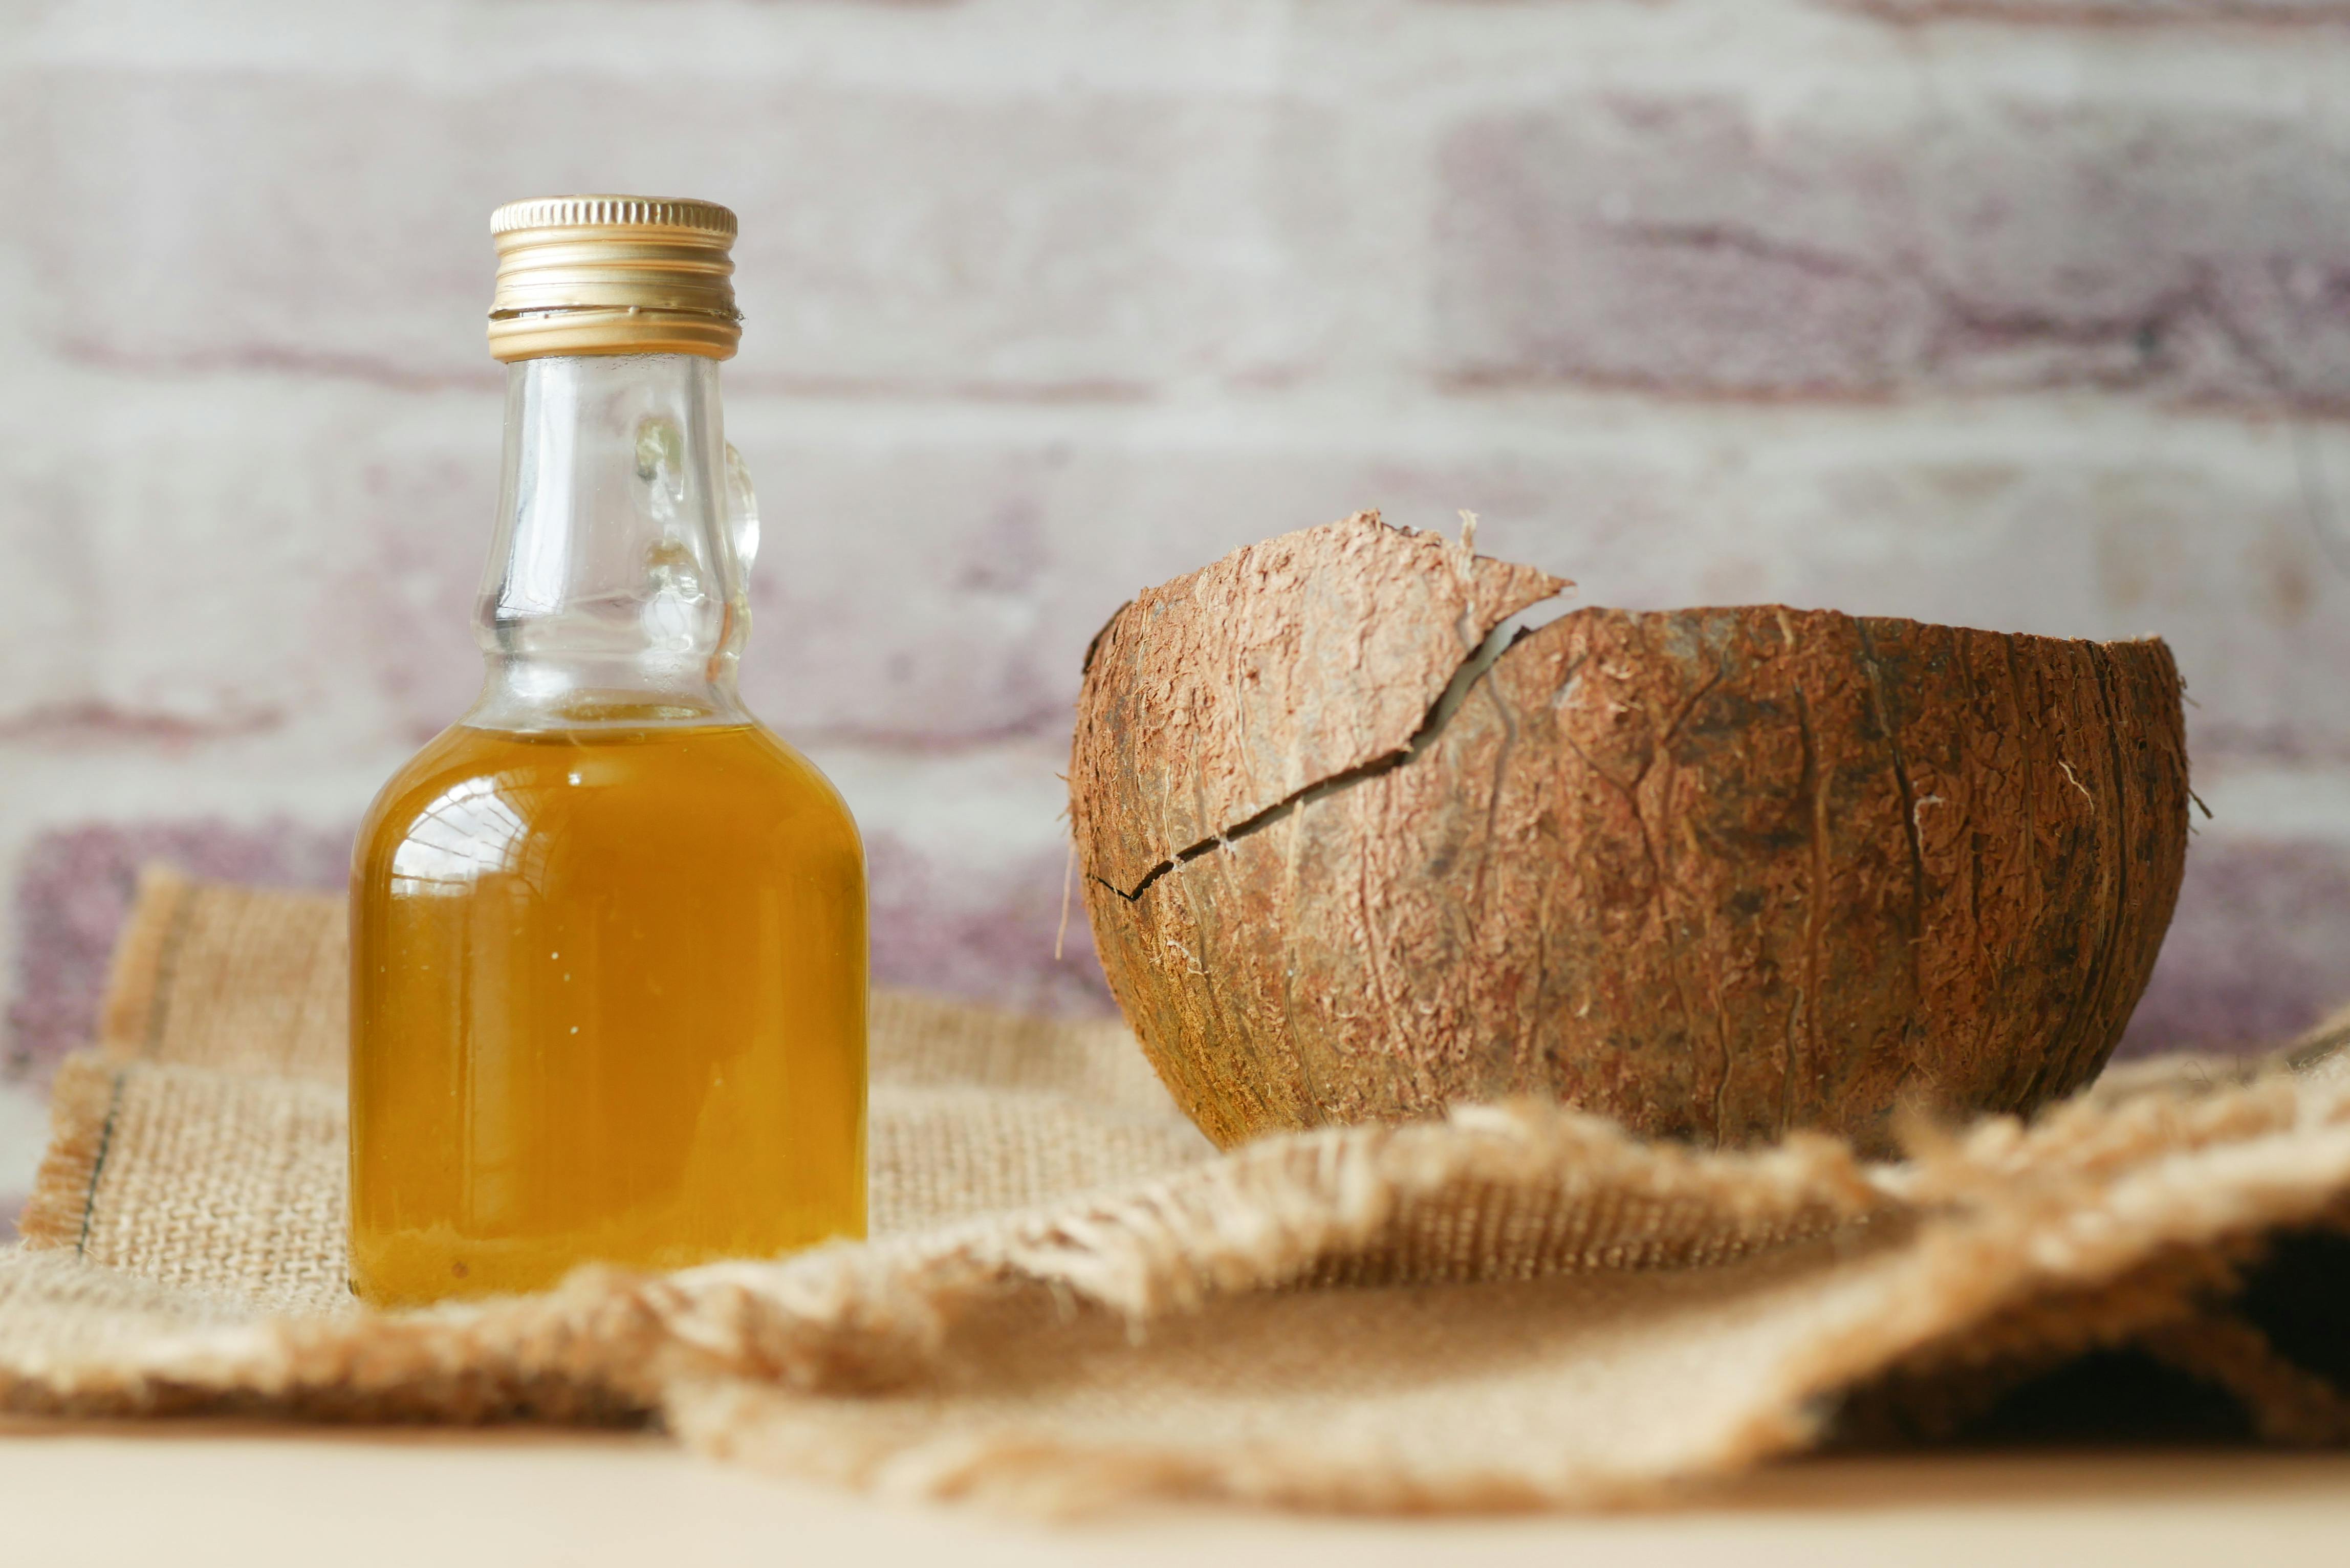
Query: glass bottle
{"x": 608, "y": 959}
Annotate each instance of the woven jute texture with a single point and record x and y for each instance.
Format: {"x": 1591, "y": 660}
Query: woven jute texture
{"x": 1070, "y": 1299}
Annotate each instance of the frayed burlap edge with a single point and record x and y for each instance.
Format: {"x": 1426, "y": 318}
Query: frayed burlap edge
{"x": 2104, "y": 1253}
{"x": 81, "y": 1119}
{"x": 868, "y": 1316}
{"x": 1992, "y": 1250}
{"x": 2127, "y": 1217}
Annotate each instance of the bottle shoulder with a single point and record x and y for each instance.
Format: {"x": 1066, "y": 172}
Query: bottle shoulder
{"x": 736, "y": 782}
{"x": 439, "y": 763}
{"x": 790, "y": 760}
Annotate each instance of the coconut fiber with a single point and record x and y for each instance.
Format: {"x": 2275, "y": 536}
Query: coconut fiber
{"x": 1071, "y": 1298}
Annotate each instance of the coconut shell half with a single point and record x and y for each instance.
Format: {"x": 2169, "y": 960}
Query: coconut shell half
{"x": 1716, "y": 874}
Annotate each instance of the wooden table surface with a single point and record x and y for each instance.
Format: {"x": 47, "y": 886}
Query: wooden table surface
{"x": 194, "y": 1493}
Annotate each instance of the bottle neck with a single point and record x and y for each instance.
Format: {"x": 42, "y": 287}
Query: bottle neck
{"x": 615, "y": 592}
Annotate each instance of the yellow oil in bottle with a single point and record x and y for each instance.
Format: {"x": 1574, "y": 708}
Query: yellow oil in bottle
{"x": 607, "y": 1003}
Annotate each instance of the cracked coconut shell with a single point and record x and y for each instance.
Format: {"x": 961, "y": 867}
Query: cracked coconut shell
{"x": 1350, "y": 855}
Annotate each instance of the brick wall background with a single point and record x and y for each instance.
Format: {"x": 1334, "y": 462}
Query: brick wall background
{"x": 2029, "y": 313}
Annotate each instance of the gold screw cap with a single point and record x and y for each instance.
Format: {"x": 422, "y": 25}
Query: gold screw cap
{"x": 613, "y": 275}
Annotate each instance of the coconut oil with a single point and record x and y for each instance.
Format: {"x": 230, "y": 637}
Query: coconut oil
{"x": 608, "y": 953}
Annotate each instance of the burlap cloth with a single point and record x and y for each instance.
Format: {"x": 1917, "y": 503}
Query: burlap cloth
{"x": 1070, "y": 1298}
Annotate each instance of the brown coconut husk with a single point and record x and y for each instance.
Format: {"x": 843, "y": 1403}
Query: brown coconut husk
{"x": 1718, "y": 874}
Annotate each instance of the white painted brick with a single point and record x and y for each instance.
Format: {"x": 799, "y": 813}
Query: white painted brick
{"x": 978, "y": 576}
{"x": 931, "y": 573}
{"x": 48, "y": 625}
{"x": 2130, "y": 11}
{"x": 1057, "y": 243}
{"x": 919, "y": 588}
{"x": 1918, "y": 235}
{"x": 169, "y": 576}
{"x": 403, "y": 641}
{"x": 1761, "y": 197}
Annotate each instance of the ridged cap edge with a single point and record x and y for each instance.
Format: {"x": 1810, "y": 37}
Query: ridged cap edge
{"x": 635, "y": 212}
